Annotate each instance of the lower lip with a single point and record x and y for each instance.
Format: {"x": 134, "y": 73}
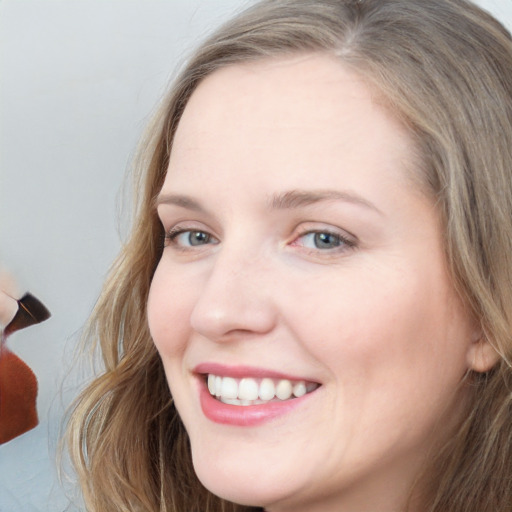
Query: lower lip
{"x": 245, "y": 415}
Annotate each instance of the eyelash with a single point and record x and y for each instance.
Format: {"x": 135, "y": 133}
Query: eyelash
{"x": 343, "y": 243}
{"x": 171, "y": 236}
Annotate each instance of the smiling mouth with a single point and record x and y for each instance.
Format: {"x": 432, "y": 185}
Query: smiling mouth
{"x": 255, "y": 391}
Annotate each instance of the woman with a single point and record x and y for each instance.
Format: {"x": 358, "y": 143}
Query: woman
{"x": 319, "y": 271}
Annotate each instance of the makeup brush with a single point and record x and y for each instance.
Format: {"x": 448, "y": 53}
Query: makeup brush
{"x": 18, "y": 384}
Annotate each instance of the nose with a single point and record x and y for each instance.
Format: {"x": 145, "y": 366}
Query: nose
{"x": 236, "y": 299}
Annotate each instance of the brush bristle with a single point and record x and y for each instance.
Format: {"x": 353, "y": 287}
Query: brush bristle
{"x": 31, "y": 311}
{"x": 35, "y": 307}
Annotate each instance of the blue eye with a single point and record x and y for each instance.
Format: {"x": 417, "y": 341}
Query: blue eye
{"x": 324, "y": 240}
{"x": 197, "y": 237}
{"x": 190, "y": 238}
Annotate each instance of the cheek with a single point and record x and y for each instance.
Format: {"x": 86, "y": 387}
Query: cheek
{"x": 395, "y": 350}
{"x": 169, "y": 307}
{"x": 386, "y": 330}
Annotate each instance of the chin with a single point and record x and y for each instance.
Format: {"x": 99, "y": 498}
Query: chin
{"x": 242, "y": 485}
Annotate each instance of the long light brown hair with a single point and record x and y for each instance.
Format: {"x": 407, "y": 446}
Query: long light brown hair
{"x": 444, "y": 69}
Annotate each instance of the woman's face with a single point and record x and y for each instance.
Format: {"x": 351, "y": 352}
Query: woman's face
{"x": 301, "y": 258}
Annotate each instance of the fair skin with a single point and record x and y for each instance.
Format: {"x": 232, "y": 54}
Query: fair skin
{"x": 8, "y": 304}
{"x": 300, "y": 250}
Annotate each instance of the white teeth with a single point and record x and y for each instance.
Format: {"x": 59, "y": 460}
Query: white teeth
{"x": 229, "y": 388}
{"x": 299, "y": 389}
{"x": 250, "y": 391}
{"x": 229, "y": 401}
{"x": 211, "y": 384}
{"x": 267, "y": 389}
{"x": 284, "y": 389}
{"x": 218, "y": 386}
{"x": 241, "y": 402}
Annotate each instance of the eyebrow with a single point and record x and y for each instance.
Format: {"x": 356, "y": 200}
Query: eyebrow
{"x": 298, "y": 198}
{"x": 179, "y": 200}
{"x": 287, "y": 200}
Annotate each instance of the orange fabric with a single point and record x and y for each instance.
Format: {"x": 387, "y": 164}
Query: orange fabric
{"x": 18, "y": 393}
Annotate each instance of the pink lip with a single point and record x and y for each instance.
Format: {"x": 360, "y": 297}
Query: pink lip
{"x": 239, "y": 372}
{"x": 242, "y": 416}
{"x": 245, "y": 416}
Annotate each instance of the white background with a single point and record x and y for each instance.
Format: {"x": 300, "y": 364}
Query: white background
{"x": 78, "y": 80}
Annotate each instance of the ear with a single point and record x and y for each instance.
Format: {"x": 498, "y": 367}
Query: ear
{"x": 481, "y": 355}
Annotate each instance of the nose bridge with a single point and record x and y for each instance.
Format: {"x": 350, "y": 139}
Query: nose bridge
{"x": 235, "y": 296}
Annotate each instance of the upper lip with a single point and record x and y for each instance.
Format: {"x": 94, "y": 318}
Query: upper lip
{"x": 240, "y": 371}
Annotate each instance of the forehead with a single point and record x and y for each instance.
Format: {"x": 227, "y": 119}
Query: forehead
{"x": 292, "y": 114}
{"x": 295, "y": 91}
